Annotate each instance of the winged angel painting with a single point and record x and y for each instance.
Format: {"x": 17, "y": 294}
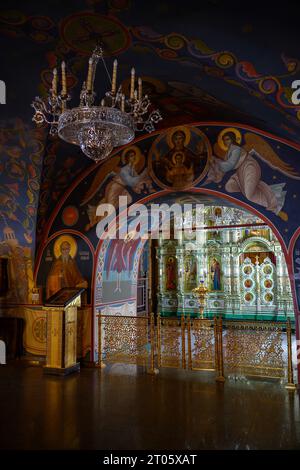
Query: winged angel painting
{"x": 247, "y": 176}
{"x": 124, "y": 173}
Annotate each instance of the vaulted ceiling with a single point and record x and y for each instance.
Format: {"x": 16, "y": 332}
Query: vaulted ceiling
{"x": 208, "y": 60}
{"x": 202, "y": 60}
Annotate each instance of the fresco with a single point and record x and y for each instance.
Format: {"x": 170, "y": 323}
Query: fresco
{"x": 179, "y": 158}
{"x": 64, "y": 271}
{"x": 61, "y": 164}
{"x": 67, "y": 262}
{"x": 21, "y": 151}
{"x": 258, "y": 170}
{"x": 247, "y": 174}
{"x": 117, "y": 271}
{"x": 79, "y": 30}
{"x": 119, "y": 263}
{"x": 269, "y": 166}
{"x": 126, "y": 172}
{"x": 227, "y": 67}
{"x": 191, "y": 74}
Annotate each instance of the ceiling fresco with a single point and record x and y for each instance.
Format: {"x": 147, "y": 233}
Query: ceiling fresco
{"x": 200, "y": 61}
{"x": 218, "y": 59}
{"x": 181, "y": 159}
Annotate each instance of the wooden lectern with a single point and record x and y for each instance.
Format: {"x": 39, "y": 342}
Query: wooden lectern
{"x": 61, "y": 311}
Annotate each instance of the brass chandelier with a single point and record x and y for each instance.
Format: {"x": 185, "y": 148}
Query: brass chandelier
{"x": 97, "y": 129}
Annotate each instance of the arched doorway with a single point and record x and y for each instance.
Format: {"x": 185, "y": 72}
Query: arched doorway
{"x": 117, "y": 268}
{"x": 104, "y": 182}
{"x": 238, "y": 258}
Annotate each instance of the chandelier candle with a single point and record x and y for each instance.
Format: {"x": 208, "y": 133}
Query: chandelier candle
{"x": 114, "y": 78}
{"x": 63, "y": 79}
{"x": 132, "y": 83}
{"x": 89, "y": 77}
{"x": 96, "y": 128}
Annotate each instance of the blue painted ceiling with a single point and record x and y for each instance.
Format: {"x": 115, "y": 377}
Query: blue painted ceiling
{"x": 206, "y": 60}
{"x": 200, "y": 60}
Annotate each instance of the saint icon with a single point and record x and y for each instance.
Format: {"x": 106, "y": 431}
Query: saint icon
{"x": 216, "y": 274}
{"x": 64, "y": 271}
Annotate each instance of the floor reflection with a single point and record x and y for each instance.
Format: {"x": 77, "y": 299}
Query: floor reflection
{"x": 122, "y": 407}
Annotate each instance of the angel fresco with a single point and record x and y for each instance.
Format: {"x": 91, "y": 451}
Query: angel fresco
{"x": 128, "y": 175}
{"x": 246, "y": 179}
{"x": 178, "y": 158}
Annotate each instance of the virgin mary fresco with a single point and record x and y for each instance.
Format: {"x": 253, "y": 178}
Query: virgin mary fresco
{"x": 247, "y": 175}
{"x": 178, "y": 158}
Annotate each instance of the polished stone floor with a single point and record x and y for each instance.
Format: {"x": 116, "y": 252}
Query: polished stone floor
{"x": 120, "y": 408}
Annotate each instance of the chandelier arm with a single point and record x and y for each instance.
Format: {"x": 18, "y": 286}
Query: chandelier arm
{"x": 149, "y": 125}
{"x": 39, "y": 105}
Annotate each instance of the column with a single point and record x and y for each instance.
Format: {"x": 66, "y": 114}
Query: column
{"x": 180, "y": 284}
{"x": 226, "y": 236}
{"x": 235, "y": 279}
{"x": 161, "y": 274}
{"x": 235, "y": 234}
{"x": 226, "y": 269}
{"x": 258, "y": 289}
{"x": 283, "y": 295}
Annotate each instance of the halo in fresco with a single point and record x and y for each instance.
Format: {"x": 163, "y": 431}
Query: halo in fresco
{"x": 62, "y": 239}
{"x": 186, "y": 131}
{"x": 134, "y": 152}
{"x": 178, "y": 159}
{"x": 82, "y": 30}
{"x": 235, "y": 131}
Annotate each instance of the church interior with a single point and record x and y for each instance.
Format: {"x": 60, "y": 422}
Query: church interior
{"x": 149, "y": 226}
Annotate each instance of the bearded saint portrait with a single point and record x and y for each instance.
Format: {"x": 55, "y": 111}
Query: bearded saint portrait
{"x": 64, "y": 271}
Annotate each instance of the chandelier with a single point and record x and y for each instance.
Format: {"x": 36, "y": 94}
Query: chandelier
{"x": 97, "y": 129}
